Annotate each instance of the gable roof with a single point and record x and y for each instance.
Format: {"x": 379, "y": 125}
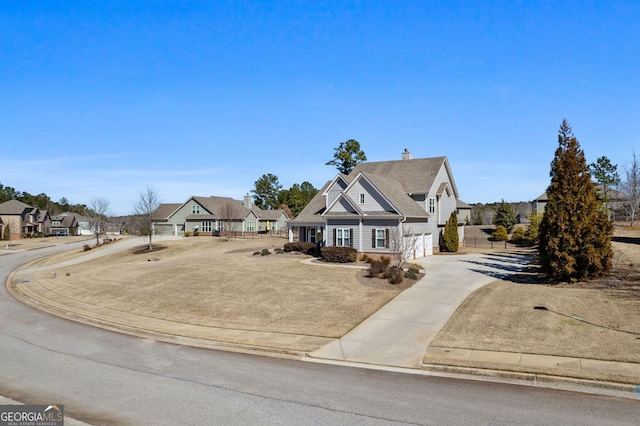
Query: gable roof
{"x": 396, "y": 195}
{"x": 14, "y": 207}
{"x": 165, "y": 210}
{"x": 415, "y": 175}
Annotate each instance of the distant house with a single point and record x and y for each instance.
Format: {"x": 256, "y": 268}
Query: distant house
{"x": 615, "y": 201}
{"x": 538, "y": 205}
{"x": 408, "y": 198}
{"x": 64, "y": 224}
{"x": 22, "y": 219}
{"x": 210, "y": 215}
{"x": 463, "y": 210}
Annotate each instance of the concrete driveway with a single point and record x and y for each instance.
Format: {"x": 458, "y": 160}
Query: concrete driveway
{"x": 399, "y": 333}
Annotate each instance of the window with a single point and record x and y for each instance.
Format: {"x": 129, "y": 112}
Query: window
{"x": 380, "y": 238}
{"x": 361, "y": 198}
{"x": 251, "y": 226}
{"x": 343, "y": 237}
{"x": 432, "y": 205}
{"x": 195, "y": 209}
{"x": 206, "y": 226}
{"x": 220, "y": 226}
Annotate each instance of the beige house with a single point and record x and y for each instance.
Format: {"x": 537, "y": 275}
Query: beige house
{"x": 20, "y": 219}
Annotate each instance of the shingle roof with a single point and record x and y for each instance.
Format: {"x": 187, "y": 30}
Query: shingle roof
{"x": 164, "y": 211}
{"x": 415, "y": 176}
{"x": 14, "y": 207}
{"x": 397, "y": 195}
{"x": 312, "y": 211}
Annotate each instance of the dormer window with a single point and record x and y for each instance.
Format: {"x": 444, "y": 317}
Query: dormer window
{"x": 361, "y": 198}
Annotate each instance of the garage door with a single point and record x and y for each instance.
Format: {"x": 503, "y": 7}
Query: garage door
{"x": 163, "y": 229}
{"x": 423, "y": 245}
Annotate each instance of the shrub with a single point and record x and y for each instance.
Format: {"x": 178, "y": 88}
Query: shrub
{"x": 450, "y": 238}
{"x": 86, "y": 247}
{"x": 265, "y": 252}
{"x": 187, "y": 233}
{"x": 255, "y": 253}
{"x": 278, "y": 250}
{"x": 518, "y": 235}
{"x": 500, "y": 234}
{"x": 379, "y": 266}
{"x": 395, "y": 275}
{"x": 300, "y": 247}
{"x": 415, "y": 267}
{"x": 196, "y": 233}
{"x": 365, "y": 258}
{"x": 339, "y": 254}
{"x": 411, "y": 274}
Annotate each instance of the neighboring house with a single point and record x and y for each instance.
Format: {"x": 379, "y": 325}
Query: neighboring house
{"x": 377, "y": 201}
{"x": 21, "y": 219}
{"x": 538, "y": 205}
{"x": 64, "y": 224}
{"x": 209, "y": 215}
{"x": 463, "y": 211}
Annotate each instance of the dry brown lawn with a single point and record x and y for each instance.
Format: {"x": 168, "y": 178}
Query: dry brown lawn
{"x": 212, "y": 282}
{"x": 596, "y": 320}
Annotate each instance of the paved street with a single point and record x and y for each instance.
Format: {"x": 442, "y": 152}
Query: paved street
{"x": 109, "y": 378}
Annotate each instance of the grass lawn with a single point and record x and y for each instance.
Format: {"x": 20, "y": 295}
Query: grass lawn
{"x": 597, "y": 320}
{"x": 211, "y": 282}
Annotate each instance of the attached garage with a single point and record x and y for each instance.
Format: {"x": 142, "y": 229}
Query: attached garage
{"x": 423, "y": 245}
{"x": 163, "y": 229}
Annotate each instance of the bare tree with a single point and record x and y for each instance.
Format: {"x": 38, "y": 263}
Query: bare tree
{"x": 98, "y": 209}
{"x": 148, "y": 203}
{"x": 631, "y": 187}
{"x": 402, "y": 245}
{"x": 228, "y": 216}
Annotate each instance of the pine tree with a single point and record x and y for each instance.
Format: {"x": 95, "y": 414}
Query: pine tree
{"x": 505, "y": 216}
{"x": 575, "y": 232}
{"x": 450, "y": 238}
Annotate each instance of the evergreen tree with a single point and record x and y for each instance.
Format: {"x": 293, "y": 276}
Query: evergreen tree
{"x": 575, "y": 232}
{"x": 346, "y": 156}
{"x": 505, "y": 216}
{"x": 450, "y": 238}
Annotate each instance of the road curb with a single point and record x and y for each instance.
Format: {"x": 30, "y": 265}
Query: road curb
{"x": 542, "y": 380}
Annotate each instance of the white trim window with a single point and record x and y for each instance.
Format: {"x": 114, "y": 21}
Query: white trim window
{"x": 343, "y": 237}
{"x": 361, "y": 198}
{"x": 381, "y": 238}
{"x": 206, "y": 226}
{"x": 220, "y": 226}
{"x": 195, "y": 209}
{"x": 432, "y": 205}
{"x": 251, "y": 226}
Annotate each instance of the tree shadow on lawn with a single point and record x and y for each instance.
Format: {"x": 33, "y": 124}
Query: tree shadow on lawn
{"x": 145, "y": 249}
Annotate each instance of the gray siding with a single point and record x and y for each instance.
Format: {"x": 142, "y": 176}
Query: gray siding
{"x": 343, "y": 223}
{"x": 373, "y": 201}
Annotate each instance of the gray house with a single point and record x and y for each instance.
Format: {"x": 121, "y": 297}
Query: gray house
{"x": 210, "y": 215}
{"x": 409, "y": 199}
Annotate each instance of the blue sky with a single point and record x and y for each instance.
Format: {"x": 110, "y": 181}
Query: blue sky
{"x": 101, "y": 99}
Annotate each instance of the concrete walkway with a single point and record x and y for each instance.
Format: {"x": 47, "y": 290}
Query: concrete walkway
{"x": 398, "y": 334}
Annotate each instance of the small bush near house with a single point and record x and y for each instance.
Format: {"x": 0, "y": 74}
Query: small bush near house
{"x": 256, "y": 253}
{"x": 378, "y": 267}
{"x": 339, "y": 254}
{"x": 411, "y": 274}
{"x": 187, "y": 233}
{"x": 395, "y": 275}
{"x": 300, "y": 247}
{"x": 518, "y": 236}
{"x": 265, "y": 252}
{"x": 196, "y": 233}
{"x": 365, "y": 258}
{"x": 415, "y": 267}
{"x": 278, "y": 250}
{"x": 500, "y": 234}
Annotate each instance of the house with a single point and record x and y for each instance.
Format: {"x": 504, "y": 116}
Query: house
{"x": 410, "y": 199}
{"x": 64, "y": 224}
{"x": 463, "y": 211}
{"x": 210, "y": 215}
{"x": 21, "y": 219}
{"x": 538, "y": 205}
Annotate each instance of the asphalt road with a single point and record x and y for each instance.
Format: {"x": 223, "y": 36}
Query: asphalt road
{"x": 103, "y": 377}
